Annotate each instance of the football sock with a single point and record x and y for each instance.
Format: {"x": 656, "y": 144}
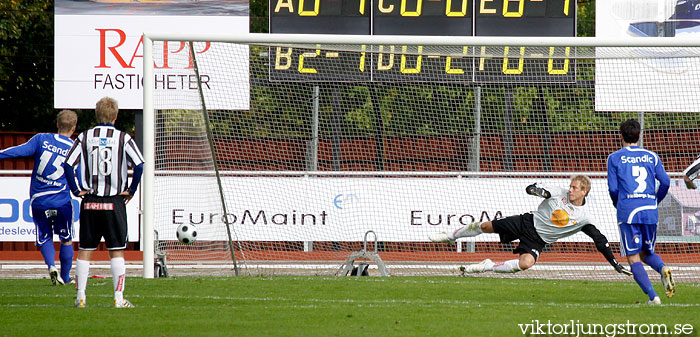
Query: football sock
{"x": 66, "y": 257}
{"x": 640, "y": 275}
{"x": 118, "y": 277}
{"x": 472, "y": 229}
{"x": 510, "y": 266}
{"x": 654, "y": 261}
{"x": 48, "y": 252}
{"x": 82, "y": 269}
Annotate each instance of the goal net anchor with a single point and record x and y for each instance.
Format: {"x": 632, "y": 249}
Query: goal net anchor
{"x": 348, "y": 267}
{"x": 160, "y": 268}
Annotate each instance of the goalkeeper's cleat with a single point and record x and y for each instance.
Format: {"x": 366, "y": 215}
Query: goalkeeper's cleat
{"x": 441, "y": 237}
{"x": 655, "y": 301}
{"x": 479, "y": 267}
{"x": 667, "y": 281}
{"x": 123, "y": 304}
{"x": 80, "y": 302}
{"x": 53, "y": 273}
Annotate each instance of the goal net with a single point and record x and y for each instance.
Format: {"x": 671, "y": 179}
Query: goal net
{"x": 311, "y": 154}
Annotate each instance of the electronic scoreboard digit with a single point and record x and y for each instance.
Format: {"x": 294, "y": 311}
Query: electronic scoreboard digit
{"x": 422, "y": 17}
{"x": 320, "y": 16}
{"x": 525, "y": 18}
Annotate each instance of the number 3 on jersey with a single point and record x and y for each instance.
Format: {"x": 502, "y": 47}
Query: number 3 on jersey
{"x": 101, "y": 160}
{"x": 641, "y": 178}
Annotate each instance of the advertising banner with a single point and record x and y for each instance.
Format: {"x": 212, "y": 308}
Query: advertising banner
{"x": 16, "y": 224}
{"x": 343, "y": 209}
{"x": 99, "y": 50}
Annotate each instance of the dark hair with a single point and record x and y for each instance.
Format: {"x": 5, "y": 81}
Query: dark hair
{"x": 630, "y": 130}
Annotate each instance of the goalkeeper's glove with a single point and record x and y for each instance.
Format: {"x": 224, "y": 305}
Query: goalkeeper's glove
{"x": 689, "y": 183}
{"x": 620, "y": 268}
{"x": 537, "y": 191}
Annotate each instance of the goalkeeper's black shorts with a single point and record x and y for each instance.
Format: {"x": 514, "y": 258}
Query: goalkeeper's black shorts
{"x": 520, "y": 227}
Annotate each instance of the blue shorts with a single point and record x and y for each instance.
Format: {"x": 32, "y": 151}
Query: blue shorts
{"x": 636, "y": 238}
{"x": 57, "y": 221}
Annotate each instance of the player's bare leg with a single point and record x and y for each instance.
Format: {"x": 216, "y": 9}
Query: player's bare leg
{"x": 470, "y": 230}
{"x": 511, "y": 266}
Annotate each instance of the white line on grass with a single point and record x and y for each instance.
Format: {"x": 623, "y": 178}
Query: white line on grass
{"x": 369, "y": 302}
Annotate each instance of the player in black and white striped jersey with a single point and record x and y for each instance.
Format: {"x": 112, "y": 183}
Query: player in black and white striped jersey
{"x": 691, "y": 173}
{"x": 105, "y": 154}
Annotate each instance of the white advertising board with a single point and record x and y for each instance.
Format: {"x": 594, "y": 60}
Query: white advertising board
{"x": 659, "y": 83}
{"x": 16, "y": 224}
{"x": 343, "y": 209}
{"x": 102, "y": 55}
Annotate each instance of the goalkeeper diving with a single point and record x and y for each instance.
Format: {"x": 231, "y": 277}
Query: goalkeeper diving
{"x": 563, "y": 213}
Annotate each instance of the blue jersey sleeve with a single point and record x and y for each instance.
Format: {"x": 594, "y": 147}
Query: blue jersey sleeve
{"x": 70, "y": 179}
{"x": 27, "y": 149}
{"x": 138, "y": 171}
{"x": 664, "y": 182}
{"x": 612, "y": 180}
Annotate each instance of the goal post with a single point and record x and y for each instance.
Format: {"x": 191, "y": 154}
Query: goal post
{"x": 285, "y": 150}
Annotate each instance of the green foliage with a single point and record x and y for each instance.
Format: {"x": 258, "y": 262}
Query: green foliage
{"x": 258, "y": 16}
{"x": 330, "y": 306}
{"x": 585, "y": 18}
{"x": 26, "y": 65}
{"x": 27, "y": 69}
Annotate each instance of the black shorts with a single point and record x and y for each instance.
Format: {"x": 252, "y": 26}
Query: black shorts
{"x": 520, "y": 227}
{"x": 103, "y": 217}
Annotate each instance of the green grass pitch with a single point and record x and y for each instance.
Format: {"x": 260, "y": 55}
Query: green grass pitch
{"x": 330, "y": 306}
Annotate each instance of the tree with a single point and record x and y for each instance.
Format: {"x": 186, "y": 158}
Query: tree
{"x": 585, "y": 18}
{"x": 26, "y": 65}
{"x": 26, "y": 70}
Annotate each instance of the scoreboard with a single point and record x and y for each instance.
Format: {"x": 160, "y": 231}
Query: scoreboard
{"x": 430, "y": 18}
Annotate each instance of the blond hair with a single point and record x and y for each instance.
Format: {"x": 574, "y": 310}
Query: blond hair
{"x": 584, "y": 181}
{"x": 106, "y": 110}
{"x": 66, "y": 120}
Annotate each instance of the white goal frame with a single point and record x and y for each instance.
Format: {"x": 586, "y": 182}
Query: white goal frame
{"x": 148, "y": 202}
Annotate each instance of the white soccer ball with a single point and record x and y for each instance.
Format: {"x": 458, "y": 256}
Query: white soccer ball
{"x": 186, "y": 233}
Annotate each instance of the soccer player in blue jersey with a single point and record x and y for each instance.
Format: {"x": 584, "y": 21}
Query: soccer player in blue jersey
{"x": 51, "y": 202}
{"x": 632, "y": 175}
